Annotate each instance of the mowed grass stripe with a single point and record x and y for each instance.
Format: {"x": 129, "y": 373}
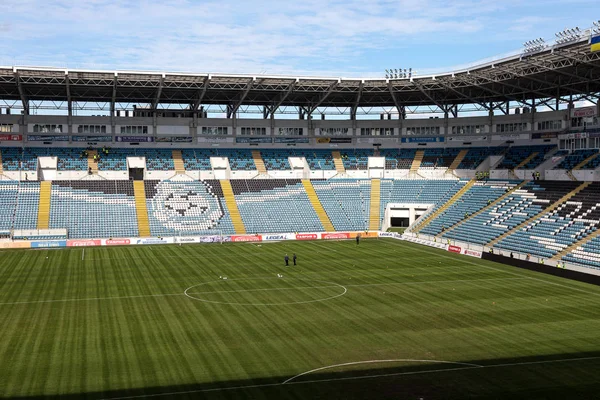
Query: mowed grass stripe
{"x": 175, "y": 342}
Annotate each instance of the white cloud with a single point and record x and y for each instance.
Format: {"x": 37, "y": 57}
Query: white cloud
{"x": 333, "y": 37}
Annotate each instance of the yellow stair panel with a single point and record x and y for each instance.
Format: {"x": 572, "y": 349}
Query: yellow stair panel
{"x": 375, "y": 206}
{"x": 443, "y": 208}
{"x": 338, "y": 162}
{"x": 541, "y": 213}
{"x": 416, "y": 164}
{"x": 234, "y": 212}
{"x": 91, "y": 163}
{"x": 178, "y": 161}
{"x": 141, "y": 209}
{"x": 486, "y": 208}
{"x": 318, "y": 207}
{"x": 584, "y": 162}
{"x": 459, "y": 157}
{"x": 259, "y": 162}
{"x": 526, "y": 160}
{"x": 43, "y": 220}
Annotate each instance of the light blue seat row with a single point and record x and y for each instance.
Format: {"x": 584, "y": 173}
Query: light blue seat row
{"x": 276, "y": 206}
{"x": 94, "y": 209}
{"x": 346, "y": 202}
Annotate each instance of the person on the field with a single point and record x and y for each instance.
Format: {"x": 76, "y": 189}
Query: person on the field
{"x": 287, "y": 260}
{"x": 294, "y": 258}
{"x": 358, "y": 239}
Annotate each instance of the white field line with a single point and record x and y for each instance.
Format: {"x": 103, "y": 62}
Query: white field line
{"x": 466, "y": 367}
{"x": 381, "y": 362}
{"x": 233, "y": 291}
{"x": 363, "y": 285}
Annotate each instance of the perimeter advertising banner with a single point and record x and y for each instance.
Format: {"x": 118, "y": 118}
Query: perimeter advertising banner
{"x": 246, "y": 238}
{"x": 548, "y": 135}
{"x": 454, "y": 249}
{"x": 307, "y": 236}
{"x": 84, "y": 242}
{"x": 116, "y": 242}
{"x": 92, "y": 138}
{"x": 253, "y": 140}
{"x": 15, "y": 245}
{"x": 585, "y": 112}
{"x": 334, "y": 140}
{"x": 134, "y": 139}
{"x": 44, "y": 244}
{"x": 422, "y": 139}
{"x": 278, "y": 236}
{"x": 47, "y": 138}
{"x": 11, "y": 138}
{"x": 290, "y": 140}
{"x": 337, "y": 235}
{"x": 472, "y": 253}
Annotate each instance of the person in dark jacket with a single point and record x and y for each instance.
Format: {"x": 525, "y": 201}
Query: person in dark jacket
{"x": 294, "y": 258}
{"x": 287, "y": 260}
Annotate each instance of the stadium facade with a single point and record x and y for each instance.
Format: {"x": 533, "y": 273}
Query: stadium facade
{"x": 469, "y": 159}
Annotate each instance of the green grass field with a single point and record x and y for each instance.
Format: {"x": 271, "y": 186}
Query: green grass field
{"x": 385, "y": 319}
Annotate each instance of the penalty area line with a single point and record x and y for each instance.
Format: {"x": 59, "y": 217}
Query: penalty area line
{"x": 467, "y": 366}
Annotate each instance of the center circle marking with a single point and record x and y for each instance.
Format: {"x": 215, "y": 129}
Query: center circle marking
{"x": 193, "y": 296}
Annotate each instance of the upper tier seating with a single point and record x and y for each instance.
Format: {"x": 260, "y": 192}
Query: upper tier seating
{"x": 439, "y": 157}
{"x": 357, "y": 159}
{"x": 474, "y": 199}
{"x": 275, "y": 206}
{"x": 17, "y": 158}
{"x": 477, "y": 155}
{"x": 557, "y": 229}
{"x": 576, "y": 157}
{"x": 346, "y": 202}
{"x": 158, "y": 159}
{"x": 94, "y": 209}
{"x": 275, "y": 160}
{"x": 516, "y": 154}
{"x": 197, "y": 159}
{"x": 398, "y": 158}
{"x": 115, "y": 160}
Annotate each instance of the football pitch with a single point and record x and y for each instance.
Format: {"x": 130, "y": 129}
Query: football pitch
{"x": 384, "y": 319}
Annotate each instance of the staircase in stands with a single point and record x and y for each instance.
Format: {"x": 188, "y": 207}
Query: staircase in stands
{"x": 91, "y": 163}
{"x": 526, "y": 160}
{"x": 259, "y": 162}
{"x": 1, "y": 167}
{"x": 43, "y": 220}
{"x": 374, "y": 207}
{"x": 338, "y": 162}
{"x": 416, "y": 164}
{"x": 178, "y": 161}
{"x": 234, "y": 212}
{"x": 484, "y": 209}
{"x": 443, "y": 208}
{"x": 459, "y": 158}
{"x": 576, "y": 245}
{"x": 317, "y": 206}
{"x": 141, "y": 208}
{"x": 541, "y": 213}
{"x": 584, "y": 162}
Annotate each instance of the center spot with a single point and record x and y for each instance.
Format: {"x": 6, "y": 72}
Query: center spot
{"x": 269, "y": 291}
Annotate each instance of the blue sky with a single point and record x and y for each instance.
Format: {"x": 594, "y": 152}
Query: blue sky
{"x": 308, "y": 37}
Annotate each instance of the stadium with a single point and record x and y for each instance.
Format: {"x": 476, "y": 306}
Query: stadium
{"x": 225, "y": 236}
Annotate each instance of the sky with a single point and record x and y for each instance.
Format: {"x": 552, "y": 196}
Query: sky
{"x": 334, "y": 38}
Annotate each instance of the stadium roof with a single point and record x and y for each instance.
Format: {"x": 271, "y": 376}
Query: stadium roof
{"x": 556, "y": 73}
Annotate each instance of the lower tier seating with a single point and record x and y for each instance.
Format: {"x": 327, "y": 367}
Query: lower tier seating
{"x": 346, "y": 202}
